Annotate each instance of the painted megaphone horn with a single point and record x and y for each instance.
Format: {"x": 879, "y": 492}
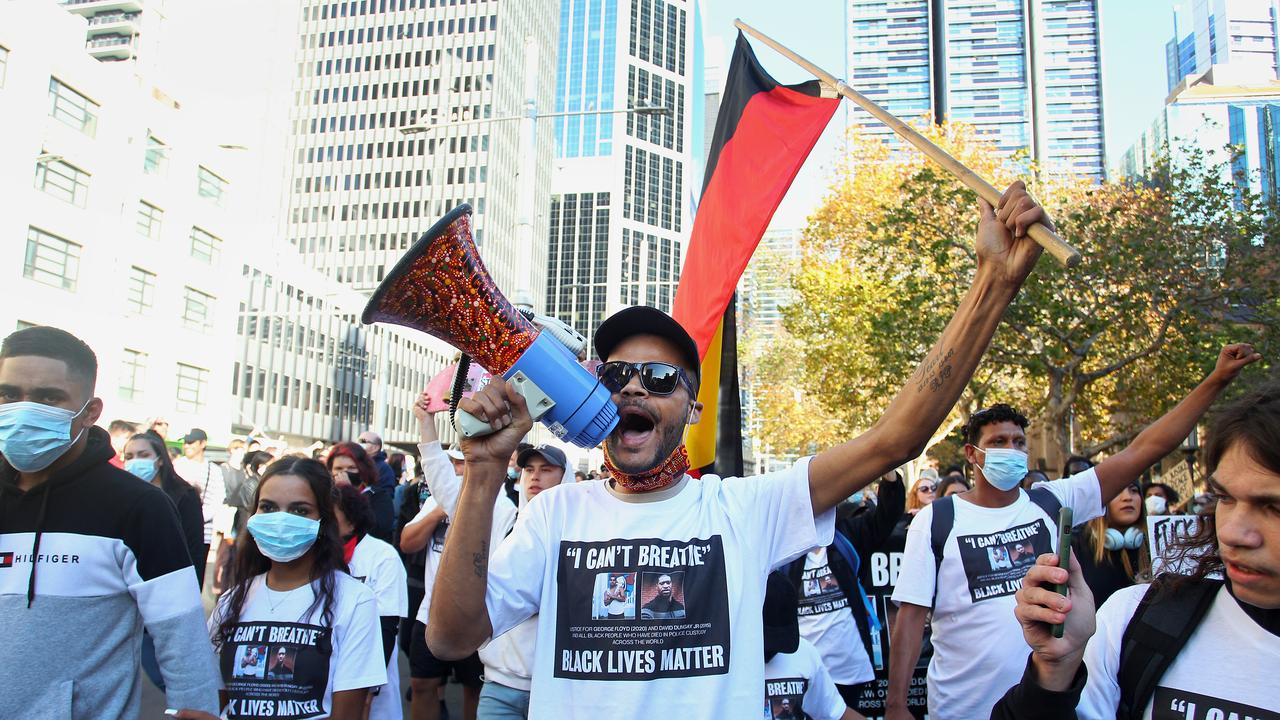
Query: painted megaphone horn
{"x": 442, "y": 288}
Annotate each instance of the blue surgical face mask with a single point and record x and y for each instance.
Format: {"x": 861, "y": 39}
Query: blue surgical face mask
{"x": 283, "y": 536}
{"x": 34, "y": 435}
{"x": 144, "y": 468}
{"x": 1004, "y": 468}
{"x": 857, "y": 497}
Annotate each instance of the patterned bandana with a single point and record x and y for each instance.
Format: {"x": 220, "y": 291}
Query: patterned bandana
{"x": 667, "y": 472}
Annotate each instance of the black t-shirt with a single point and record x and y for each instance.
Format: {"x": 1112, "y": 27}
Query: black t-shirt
{"x": 1108, "y": 576}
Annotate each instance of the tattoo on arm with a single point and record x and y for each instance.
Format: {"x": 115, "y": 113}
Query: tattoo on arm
{"x": 934, "y": 372}
{"x": 480, "y": 561}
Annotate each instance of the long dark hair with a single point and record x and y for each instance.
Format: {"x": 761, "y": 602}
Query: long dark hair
{"x": 1253, "y": 423}
{"x": 364, "y": 464}
{"x": 326, "y": 553}
{"x": 172, "y": 484}
{"x": 355, "y": 505}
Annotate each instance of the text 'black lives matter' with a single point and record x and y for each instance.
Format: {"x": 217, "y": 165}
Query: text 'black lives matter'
{"x": 820, "y": 592}
{"x": 1174, "y": 704}
{"x": 276, "y": 670}
{"x": 995, "y": 563}
{"x": 640, "y": 609}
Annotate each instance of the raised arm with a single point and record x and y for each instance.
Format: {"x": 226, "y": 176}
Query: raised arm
{"x": 459, "y": 618}
{"x": 1005, "y": 257}
{"x": 1165, "y": 434}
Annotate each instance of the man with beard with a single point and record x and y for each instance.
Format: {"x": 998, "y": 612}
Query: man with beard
{"x": 664, "y": 605}
{"x": 649, "y": 515}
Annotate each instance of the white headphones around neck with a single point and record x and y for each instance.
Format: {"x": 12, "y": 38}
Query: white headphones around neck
{"x": 1131, "y": 539}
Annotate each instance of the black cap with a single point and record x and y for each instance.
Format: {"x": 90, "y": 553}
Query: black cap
{"x": 195, "y": 435}
{"x": 781, "y": 626}
{"x": 644, "y": 320}
{"x": 550, "y": 453}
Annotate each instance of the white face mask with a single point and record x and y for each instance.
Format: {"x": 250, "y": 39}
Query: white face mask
{"x": 1156, "y": 505}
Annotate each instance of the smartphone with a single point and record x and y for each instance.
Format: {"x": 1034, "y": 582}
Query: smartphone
{"x": 1064, "y": 557}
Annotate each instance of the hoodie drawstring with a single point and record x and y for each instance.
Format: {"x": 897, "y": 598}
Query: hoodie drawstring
{"x": 35, "y": 546}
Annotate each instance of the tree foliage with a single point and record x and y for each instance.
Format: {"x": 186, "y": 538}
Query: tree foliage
{"x": 1172, "y": 269}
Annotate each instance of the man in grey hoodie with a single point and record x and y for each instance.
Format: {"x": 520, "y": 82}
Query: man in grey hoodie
{"x": 89, "y": 554}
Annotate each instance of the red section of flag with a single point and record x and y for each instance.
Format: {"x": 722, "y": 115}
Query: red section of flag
{"x": 774, "y": 135}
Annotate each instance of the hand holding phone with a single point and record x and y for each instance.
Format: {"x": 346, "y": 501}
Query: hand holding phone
{"x": 1064, "y": 557}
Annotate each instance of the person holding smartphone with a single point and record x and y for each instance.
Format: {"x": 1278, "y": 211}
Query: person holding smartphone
{"x": 966, "y": 555}
{"x": 1206, "y": 630}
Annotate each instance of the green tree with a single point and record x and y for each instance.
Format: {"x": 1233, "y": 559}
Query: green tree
{"x": 1172, "y": 269}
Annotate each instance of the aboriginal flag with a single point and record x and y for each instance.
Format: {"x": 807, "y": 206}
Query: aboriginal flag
{"x": 763, "y": 134}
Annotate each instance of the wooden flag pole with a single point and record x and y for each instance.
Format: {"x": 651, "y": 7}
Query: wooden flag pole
{"x": 1047, "y": 238}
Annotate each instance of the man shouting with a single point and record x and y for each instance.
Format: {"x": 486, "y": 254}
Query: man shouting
{"x": 713, "y": 540}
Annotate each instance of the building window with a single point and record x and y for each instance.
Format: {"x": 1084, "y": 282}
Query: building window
{"x": 65, "y": 182}
{"x": 197, "y": 309}
{"x": 193, "y": 383}
{"x": 156, "y": 158}
{"x": 51, "y": 260}
{"x": 133, "y": 374}
{"x": 209, "y": 185}
{"x": 142, "y": 290}
{"x": 205, "y": 247}
{"x": 149, "y": 217}
{"x": 72, "y": 108}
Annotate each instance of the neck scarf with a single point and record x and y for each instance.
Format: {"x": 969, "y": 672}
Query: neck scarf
{"x": 349, "y": 547}
{"x": 666, "y": 473}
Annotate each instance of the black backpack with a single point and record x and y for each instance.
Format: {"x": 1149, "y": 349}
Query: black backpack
{"x": 1153, "y": 639}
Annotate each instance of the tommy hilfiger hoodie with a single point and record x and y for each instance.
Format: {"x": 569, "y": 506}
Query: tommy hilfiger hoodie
{"x": 87, "y": 559}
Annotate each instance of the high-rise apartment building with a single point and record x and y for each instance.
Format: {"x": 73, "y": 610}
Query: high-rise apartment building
{"x": 1226, "y": 101}
{"x": 401, "y": 110}
{"x": 1236, "y": 39}
{"x": 621, "y": 182}
{"x": 120, "y": 222}
{"x": 1025, "y": 73}
{"x": 120, "y": 29}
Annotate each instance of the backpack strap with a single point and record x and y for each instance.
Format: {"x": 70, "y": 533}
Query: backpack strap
{"x": 943, "y": 520}
{"x": 1153, "y": 639}
{"x": 850, "y": 555}
{"x": 1047, "y": 501}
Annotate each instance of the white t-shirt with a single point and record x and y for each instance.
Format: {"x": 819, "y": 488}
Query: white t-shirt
{"x": 378, "y": 566}
{"x": 796, "y": 685}
{"x": 977, "y": 642}
{"x": 445, "y": 488}
{"x": 281, "y": 662}
{"x": 1224, "y": 670}
{"x": 431, "y": 559}
{"x": 826, "y": 620}
{"x": 207, "y": 477}
{"x": 698, "y": 651}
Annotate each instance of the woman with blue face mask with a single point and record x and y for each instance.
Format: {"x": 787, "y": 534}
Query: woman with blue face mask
{"x": 295, "y": 632}
{"x": 146, "y": 457}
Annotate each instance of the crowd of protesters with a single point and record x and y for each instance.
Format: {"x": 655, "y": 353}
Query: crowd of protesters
{"x": 642, "y": 588}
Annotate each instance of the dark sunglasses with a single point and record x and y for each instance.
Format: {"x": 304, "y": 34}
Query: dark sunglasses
{"x": 922, "y": 487}
{"x": 658, "y": 378}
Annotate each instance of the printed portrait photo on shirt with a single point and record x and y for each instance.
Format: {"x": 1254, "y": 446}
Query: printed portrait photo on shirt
{"x": 662, "y": 595}
{"x": 250, "y": 661}
{"x": 615, "y": 596}
{"x": 282, "y": 663}
{"x": 786, "y": 708}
